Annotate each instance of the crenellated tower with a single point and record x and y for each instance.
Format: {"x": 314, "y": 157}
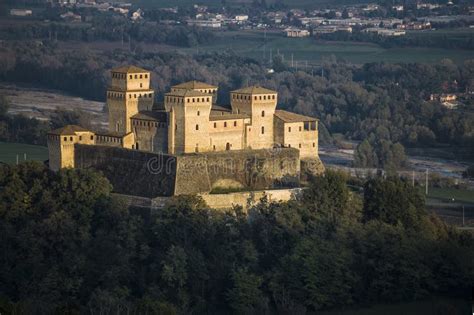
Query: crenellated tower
{"x": 260, "y": 103}
{"x": 128, "y": 94}
{"x": 189, "y": 121}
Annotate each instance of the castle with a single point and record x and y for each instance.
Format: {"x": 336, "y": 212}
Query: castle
{"x": 189, "y": 123}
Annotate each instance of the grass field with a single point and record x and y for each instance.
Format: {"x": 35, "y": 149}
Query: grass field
{"x": 9, "y": 151}
{"x": 447, "y": 194}
{"x": 257, "y": 44}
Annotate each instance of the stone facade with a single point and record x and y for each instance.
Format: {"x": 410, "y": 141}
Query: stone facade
{"x": 189, "y": 130}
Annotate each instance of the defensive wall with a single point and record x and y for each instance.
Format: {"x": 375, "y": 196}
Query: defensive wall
{"x": 152, "y": 175}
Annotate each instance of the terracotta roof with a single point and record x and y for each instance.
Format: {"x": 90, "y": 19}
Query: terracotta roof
{"x": 292, "y": 117}
{"x": 192, "y": 85}
{"x": 254, "y": 90}
{"x": 228, "y": 117}
{"x": 220, "y": 108}
{"x": 130, "y": 69}
{"x": 186, "y": 93}
{"x": 152, "y": 115}
{"x": 68, "y": 130}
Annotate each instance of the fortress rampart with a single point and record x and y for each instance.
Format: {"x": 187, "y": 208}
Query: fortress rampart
{"x": 151, "y": 175}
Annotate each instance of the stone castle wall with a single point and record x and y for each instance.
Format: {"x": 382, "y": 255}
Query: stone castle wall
{"x": 152, "y": 175}
{"x": 247, "y": 169}
{"x": 130, "y": 172}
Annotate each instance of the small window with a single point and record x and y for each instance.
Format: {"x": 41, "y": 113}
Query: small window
{"x": 146, "y": 76}
{"x": 141, "y": 84}
{"x": 263, "y": 113}
{"x": 136, "y": 76}
{"x": 65, "y": 138}
{"x": 92, "y": 137}
{"x": 263, "y": 130}
{"x": 289, "y": 145}
{"x": 197, "y": 127}
{"x": 235, "y": 124}
{"x": 70, "y": 138}
{"x": 198, "y": 113}
{"x": 214, "y": 147}
{"x": 299, "y": 145}
{"x": 300, "y": 128}
{"x": 314, "y": 144}
{"x": 141, "y": 76}
{"x": 215, "y": 125}
{"x": 225, "y": 123}
{"x": 131, "y": 76}
{"x": 289, "y": 129}
{"x": 80, "y": 138}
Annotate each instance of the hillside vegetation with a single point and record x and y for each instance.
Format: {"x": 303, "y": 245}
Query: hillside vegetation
{"x": 68, "y": 246}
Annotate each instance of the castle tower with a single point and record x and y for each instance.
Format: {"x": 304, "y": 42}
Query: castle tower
{"x": 197, "y": 86}
{"x": 189, "y": 121}
{"x": 260, "y": 103}
{"x": 61, "y": 145}
{"x": 128, "y": 94}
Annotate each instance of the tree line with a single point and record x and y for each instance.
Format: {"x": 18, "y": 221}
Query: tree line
{"x": 68, "y": 246}
{"x": 108, "y": 27}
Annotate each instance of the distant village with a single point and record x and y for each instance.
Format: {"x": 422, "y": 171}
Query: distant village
{"x": 392, "y": 21}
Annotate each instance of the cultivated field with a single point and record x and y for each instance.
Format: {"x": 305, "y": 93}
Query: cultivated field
{"x": 10, "y": 151}
{"x": 259, "y": 45}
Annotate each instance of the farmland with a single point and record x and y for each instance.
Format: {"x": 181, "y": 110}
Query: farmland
{"x": 259, "y": 45}
{"x": 9, "y": 152}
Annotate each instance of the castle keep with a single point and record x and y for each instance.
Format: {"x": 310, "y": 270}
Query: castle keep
{"x": 189, "y": 127}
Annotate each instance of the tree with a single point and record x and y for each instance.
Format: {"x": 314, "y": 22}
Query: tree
{"x": 364, "y": 155}
{"x": 4, "y": 106}
{"x": 393, "y": 201}
{"x": 245, "y": 297}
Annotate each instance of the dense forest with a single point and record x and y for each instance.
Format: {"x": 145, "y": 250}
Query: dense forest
{"x": 69, "y": 246}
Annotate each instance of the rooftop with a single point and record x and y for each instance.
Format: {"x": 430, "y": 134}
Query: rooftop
{"x": 186, "y": 93}
{"x": 254, "y": 90}
{"x": 193, "y": 85}
{"x": 129, "y": 69}
{"x": 292, "y": 117}
{"x": 68, "y": 130}
{"x": 152, "y": 115}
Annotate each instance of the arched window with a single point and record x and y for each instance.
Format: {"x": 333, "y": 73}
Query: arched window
{"x": 235, "y": 123}
{"x": 215, "y": 125}
{"x": 197, "y": 127}
{"x": 289, "y": 129}
{"x": 263, "y": 130}
{"x": 263, "y": 113}
{"x": 198, "y": 113}
{"x": 225, "y": 123}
